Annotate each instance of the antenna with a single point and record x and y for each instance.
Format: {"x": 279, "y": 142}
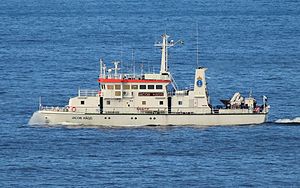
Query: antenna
{"x": 142, "y": 67}
{"x": 104, "y": 71}
{"x": 133, "y": 62}
{"x": 40, "y": 102}
{"x": 101, "y": 68}
{"x": 197, "y": 55}
{"x": 121, "y": 63}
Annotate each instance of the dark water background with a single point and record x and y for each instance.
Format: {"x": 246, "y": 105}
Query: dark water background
{"x": 50, "y": 48}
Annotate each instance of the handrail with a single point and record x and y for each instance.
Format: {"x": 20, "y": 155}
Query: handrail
{"x": 87, "y": 93}
{"x": 149, "y": 110}
{"x": 173, "y": 82}
{"x": 55, "y": 109}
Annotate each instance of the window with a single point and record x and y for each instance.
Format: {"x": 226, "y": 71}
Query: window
{"x": 142, "y": 86}
{"x": 126, "y": 87}
{"x": 143, "y": 102}
{"x": 150, "y": 86}
{"x": 158, "y": 86}
{"x": 108, "y": 102}
{"x": 161, "y": 102}
{"x": 117, "y": 93}
{"x": 110, "y": 87}
{"x": 179, "y": 102}
{"x": 118, "y": 87}
{"x": 82, "y": 102}
{"x": 134, "y": 87}
{"x": 103, "y": 86}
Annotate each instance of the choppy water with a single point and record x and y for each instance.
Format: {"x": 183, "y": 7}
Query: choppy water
{"x": 51, "y": 48}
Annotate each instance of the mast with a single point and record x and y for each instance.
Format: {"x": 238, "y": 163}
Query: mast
{"x": 101, "y": 68}
{"x": 164, "y": 52}
{"x": 197, "y": 60}
{"x": 133, "y": 62}
{"x": 164, "y": 55}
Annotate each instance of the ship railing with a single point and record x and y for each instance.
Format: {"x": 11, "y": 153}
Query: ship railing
{"x": 191, "y": 87}
{"x": 133, "y": 76}
{"x": 171, "y": 93}
{"x": 87, "y": 93}
{"x": 155, "y": 110}
{"x": 54, "y": 108}
{"x": 125, "y": 76}
{"x": 144, "y": 110}
{"x": 178, "y": 92}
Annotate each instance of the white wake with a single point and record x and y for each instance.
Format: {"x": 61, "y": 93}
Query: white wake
{"x": 295, "y": 120}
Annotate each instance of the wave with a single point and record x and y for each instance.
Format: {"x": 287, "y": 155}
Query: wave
{"x": 289, "y": 121}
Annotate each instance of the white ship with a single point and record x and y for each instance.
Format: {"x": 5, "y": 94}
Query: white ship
{"x": 151, "y": 99}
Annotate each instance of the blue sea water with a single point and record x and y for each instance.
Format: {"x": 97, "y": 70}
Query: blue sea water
{"x": 51, "y": 48}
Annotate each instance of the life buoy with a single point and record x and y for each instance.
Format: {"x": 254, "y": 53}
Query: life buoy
{"x": 73, "y": 109}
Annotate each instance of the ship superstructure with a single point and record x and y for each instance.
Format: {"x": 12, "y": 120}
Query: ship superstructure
{"x": 151, "y": 99}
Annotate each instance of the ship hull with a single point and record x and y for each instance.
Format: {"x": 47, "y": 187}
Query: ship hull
{"x": 67, "y": 118}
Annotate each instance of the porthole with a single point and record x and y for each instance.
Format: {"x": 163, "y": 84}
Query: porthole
{"x": 150, "y": 118}
{"x": 131, "y": 117}
{"x": 108, "y": 117}
{"x": 135, "y": 118}
{"x": 154, "y": 118}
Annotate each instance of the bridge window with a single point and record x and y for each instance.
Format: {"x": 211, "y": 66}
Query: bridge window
{"x": 134, "y": 87}
{"x": 150, "y": 86}
{"x": 126, "y": 87}
{"x": 118, "y": 87}
{"x": 159, "y": 87}
{"x": 143, "y": 102}
{"x": 110, "y": 87}
{"x": 142, "y": 86}
{"x": 117, "y": 93}
{"x": 179, "y": 102}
